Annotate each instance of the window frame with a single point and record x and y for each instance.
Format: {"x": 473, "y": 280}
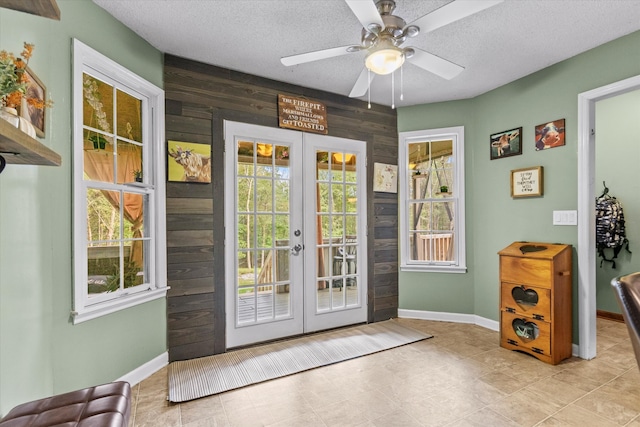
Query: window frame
{"x": 87, "y": 60}
{"x": 456, "y": 134}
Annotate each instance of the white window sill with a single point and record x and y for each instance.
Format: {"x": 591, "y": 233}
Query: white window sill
{"x": 434, "y": 268}
{"x": 107, "y": 307}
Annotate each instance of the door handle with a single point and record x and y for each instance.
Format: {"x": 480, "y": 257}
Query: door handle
{"x": 296, "y": 249}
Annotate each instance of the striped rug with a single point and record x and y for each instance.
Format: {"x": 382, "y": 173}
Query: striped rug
{"x": 191, "y": 379}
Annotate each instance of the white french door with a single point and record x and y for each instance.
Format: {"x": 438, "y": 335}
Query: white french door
{"x": 295, "y": 221}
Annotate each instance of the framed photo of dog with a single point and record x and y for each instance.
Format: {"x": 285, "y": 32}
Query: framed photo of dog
{"x": 505, "y": 144}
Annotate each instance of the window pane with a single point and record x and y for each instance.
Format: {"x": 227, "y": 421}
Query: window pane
{"x": 103, "y": 261}
{"x": 282, "y": 229}
{"x": 352, "y": 226}
{"x": 245, "y": 194}
{"x": 264, "y": 159}
{"x": 265, "y": 266}
{"x": 134, "y": 205}
{"x": 338, "y": 229}
{"x": 264, "y": 231}
{"x": 97, "y": 104}
{"x": 323, "y": 188}
{"x": 282, "y": 195}
{"x": 103, "y": 215}
{"x": 245, "y": 231}
{"x": 337, "y": 199}
{"x": 442, "y": 216}
{"x": 282, "y": 265}
{"x": 129, "y": 161}
{"x": 420, "y": 215}
{"x": 129, "y": 116}
{"x": 351, "y": 193}
{"x": 264, "y": 195}
{"x": 324, "y": 224}
{"x": 98, "y": 157}
{"x": 134, "y": 273}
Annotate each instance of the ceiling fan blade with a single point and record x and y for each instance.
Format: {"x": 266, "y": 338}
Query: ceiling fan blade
{"x": 362, "y": 84}
{"x": 435, "y": 64}
{"x": 318, "y": 54}
{"x": 366, "y": 12}
{"x": 451, "y": 12}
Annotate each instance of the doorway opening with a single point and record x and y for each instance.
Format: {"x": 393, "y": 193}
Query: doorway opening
{"x": 586, "y": 209}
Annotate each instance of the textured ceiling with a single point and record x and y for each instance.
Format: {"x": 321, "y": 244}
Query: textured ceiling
{"x": 496, "y": 46}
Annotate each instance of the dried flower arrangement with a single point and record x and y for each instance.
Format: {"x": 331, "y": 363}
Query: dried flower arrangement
{"x": 14, "y": 80}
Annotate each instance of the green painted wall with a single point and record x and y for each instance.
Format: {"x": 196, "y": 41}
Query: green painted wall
{"x": 494, "y": 219}
{"x": 617, "y": 155}
{"x": 41, "y": 352}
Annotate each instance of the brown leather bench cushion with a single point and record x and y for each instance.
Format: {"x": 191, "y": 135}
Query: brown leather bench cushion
{"x": 107, "y": 405}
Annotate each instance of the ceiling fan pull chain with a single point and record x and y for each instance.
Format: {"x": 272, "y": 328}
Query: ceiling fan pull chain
{"x": 369, "y": 86}
{"x": 401, "y": 84}
{"x": 393, "y": 90}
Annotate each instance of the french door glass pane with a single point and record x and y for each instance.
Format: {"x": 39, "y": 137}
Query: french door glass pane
{"x": 337, "y": 222}
{"x": 263, "y": 187}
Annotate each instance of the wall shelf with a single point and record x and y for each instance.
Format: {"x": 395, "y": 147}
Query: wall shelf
{"x": 19, "y": 148}
{"x": 46, "y": 8}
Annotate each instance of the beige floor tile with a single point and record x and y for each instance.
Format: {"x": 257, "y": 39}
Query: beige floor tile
{"x": 485, "y": 417}
{"x": 574, "y": 416}
{"x": 309, "y": 419}
{"x": 522, "y": 408}
{"x": 610, "y": 404}
{"x": 204, "y": 408}
{"x": 396, "y": 418}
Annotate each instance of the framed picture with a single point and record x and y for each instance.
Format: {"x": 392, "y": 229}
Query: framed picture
{"x": 550, "y": 135}
{"x": 188, "y": 162}
{"x": 36, "y": 90}
{"x": 527, "y": 182}
{"x": 505, "y": 144}
{"x": 385, "y": 178}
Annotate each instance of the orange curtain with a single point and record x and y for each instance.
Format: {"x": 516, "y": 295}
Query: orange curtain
{"x": 99, "y": 166}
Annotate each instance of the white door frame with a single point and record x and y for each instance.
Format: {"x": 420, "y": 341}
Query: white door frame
{"x": 299, "y": 306}
{"x": 586, "y": 209}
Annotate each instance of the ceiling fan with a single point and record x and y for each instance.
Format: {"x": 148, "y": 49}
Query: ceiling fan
{"x": 383, "y": 35}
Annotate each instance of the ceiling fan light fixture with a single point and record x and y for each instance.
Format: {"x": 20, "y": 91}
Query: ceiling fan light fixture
{"x": 385, "y": 61}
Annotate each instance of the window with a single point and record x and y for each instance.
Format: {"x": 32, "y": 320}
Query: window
{"x": 118, "y": 178}
{"x": 432, "y": 200}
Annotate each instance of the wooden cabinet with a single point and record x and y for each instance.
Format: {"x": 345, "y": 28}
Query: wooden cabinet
{"x": 535, "y": 299}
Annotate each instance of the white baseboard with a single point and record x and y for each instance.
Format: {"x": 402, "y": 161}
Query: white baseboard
{"x": 450, "y": 317}
{"x": 145, "y": 371}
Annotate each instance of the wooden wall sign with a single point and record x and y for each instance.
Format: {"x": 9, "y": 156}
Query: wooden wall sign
{"x": 302, "y": 114}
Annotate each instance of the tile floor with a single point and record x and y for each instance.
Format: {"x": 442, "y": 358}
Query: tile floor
{"x": 461, "y": 377}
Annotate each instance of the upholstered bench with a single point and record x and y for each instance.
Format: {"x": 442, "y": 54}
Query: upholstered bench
{"x": 107, "y": 405}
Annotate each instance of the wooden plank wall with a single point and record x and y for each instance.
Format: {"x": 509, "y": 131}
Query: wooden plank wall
{"x": 199, "y": 97}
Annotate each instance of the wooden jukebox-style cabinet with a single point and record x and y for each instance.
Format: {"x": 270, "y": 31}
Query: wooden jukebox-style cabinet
{"x": 535, "y": 299}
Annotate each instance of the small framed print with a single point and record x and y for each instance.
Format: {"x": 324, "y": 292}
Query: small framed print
{"x": 527, "y": 182}
{"x": 550, "y": 135}
{"x": 505, "y": 144}
{"x": 35, "y": 90}
{"x": 385, "y": 178}
{"x": 188, "y": 162}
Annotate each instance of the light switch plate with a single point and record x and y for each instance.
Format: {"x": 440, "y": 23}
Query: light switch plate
{"x": 565, "y": 217}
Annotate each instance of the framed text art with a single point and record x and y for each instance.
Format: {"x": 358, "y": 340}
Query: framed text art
{"x": 527, "y": 182}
